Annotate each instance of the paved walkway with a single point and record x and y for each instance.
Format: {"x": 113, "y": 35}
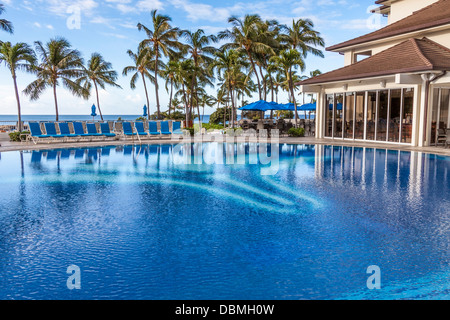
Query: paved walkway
{"x": 6, "y": 145}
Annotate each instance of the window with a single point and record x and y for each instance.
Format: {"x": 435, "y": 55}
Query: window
{"x": 371, "y": 115}
{"x": 349, "y": 115}
{"x": 383, "y": 106}
{"x": 394, "y": 115}
{"x": 338, "y": 115}
{"x": 359, "y": 119}
{"x": 329, "y": 115}
{"x": 407, "y": 115}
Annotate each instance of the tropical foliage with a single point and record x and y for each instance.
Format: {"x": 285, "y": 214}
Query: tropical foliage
{"x": 257, "y": 59}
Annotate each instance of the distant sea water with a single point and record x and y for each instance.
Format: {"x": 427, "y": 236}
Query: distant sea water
{"x": 89, "y": 118}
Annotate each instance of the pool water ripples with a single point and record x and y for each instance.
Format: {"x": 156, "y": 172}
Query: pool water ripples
{"x": 144, "y": 227}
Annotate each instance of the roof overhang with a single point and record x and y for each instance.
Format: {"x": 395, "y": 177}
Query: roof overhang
{"x": 412, "y": 34}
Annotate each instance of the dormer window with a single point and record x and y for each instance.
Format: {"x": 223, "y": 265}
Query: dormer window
{"x": 359, "y": 56}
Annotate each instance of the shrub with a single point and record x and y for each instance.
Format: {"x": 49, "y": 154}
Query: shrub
{"x": 17, "y": 136}
{"x": 296, "y": 132}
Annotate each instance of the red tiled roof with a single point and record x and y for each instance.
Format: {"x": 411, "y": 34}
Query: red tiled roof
{"x": 413, "y": 55}
{"x": 434, "y": 15}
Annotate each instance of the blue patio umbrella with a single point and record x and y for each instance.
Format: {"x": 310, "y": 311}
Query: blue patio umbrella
{"x": 93, "y": 113}
{"x": 145, "y": 111}
{"x": 258, "y": 106}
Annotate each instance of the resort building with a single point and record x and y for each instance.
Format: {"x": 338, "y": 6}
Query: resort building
{"x": 395, "y": 85}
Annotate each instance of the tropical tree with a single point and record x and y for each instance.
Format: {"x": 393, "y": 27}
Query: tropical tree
{"x": 99, "y": 73}
{"x": 162, "y": 39}
{"x": 169, "y": 73}
{"x": 143, "y": 62}
{"x": 18, "y": 57}
{"x": 5, "y": 25}
{"x": 248, "y": 36}
{"x": 302, "y": 36}
{"x": 198, "y": 49}
{"x": 288, "y": 60}
{"x": 59, "y": 63}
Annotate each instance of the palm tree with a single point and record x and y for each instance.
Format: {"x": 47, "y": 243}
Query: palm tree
{"x": 303, "y": 37}
{"x": 5, "y": 25}
{"x": 246, "y": 36}
{"x": 198, "y": 49}
{"x": 100, "y": 73}
{"x": 289, "y": 60}
{"x": 169, "y": 73}
{"x": 229, "y": 65}
{"x": 143, "y": 63}
{"x": 59, "y": 63}
{"x": 18, "y": 57}
{"x": 163, "y": 40}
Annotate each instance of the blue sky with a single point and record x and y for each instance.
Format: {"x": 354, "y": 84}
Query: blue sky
{"x": 109, "y": 27}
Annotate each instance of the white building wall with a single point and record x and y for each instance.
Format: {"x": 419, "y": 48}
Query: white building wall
{"x": 403, "y": 8}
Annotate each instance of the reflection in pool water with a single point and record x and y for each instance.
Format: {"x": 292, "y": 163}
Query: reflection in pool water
{"x": 141, "y": 227}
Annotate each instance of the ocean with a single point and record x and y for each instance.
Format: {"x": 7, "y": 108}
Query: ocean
{"x": 8, "y": 118}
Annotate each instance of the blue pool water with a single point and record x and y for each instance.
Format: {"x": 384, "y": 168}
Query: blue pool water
{"x": 140, "y": 226}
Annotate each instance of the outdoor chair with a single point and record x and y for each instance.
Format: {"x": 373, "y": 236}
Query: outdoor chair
{"x": 79, "y": 130}
{"x": 128, "y": 130}
{"x": 176, "y": 128}
{"x": 36, "y": 134}
{"x": 140, "y": 129}
{"x": 106, "y": 131}
{"x": 165, "y": 128}
{"x": 92, "y": 130}
{"x": 65, "y": 130}
{"x": 50, "y": 130}
{"x": 153, "y": 129}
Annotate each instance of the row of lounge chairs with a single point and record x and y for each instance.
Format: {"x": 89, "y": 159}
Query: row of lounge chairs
{"x": 79, "y": 134}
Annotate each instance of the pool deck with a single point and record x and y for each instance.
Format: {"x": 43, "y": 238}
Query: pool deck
{"x": 7, "y": 145}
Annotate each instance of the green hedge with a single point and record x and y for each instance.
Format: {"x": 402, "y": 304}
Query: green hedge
{"x": 296, "y": 132}
{"x": 17, "y": 136}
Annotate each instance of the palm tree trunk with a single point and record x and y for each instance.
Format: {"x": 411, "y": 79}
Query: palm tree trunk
{"x": 291, "y": 87}
{"x": 56, "y": 101}
{"x": 232, "y": 104}
{"x": 98, "y": 101}
{"x": 156, "y": 85}
{"x": 146, "y": 95}
{"x": 256, "y": 73}
{"x": 171, "y": 95}
{"x": 263, "y": 82}
{"x": 19, "y": 113}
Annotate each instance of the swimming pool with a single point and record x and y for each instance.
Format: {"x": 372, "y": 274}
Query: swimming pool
{"x": 140, "y": 226}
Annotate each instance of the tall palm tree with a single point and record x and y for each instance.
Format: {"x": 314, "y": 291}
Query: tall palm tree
{"x": 99, "y": 73}
{"x": 229, "y": 65}
{"x": 246, "y": 36}
{"x": 302, "y": 36}
{"x": 198, "y": 49}
{"x": 163, "y": 40}
{"x": 18, "y": 57}
{"x": 143, "y": 61}
{"x": 5, "y": 25}
{"x": 169, "y": 73}
{"x": 289, "y": 60}
{"x": 59, "y": 63}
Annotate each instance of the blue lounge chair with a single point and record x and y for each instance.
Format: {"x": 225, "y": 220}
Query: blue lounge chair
{"x": 128, "y": 129}
{"x": 65, "y": 131}
{"x": 176, "y": 128}
{"x": 165, "y": 128}
{"x": 79, "y": 130}
{"x": 50, "y": 129}
{"x": 36, "y": 133}
{"x": 140, "y": 129}
{"x": 92, "y": 130}
{"x": 153, "y": 128}
{"x": 104, "y": 127}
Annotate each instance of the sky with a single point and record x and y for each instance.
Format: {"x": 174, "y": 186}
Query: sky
{"x": 109, "y": 27}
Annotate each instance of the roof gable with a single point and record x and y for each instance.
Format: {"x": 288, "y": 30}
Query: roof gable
{"x": 434, "y": 15}
{"x": 413, "y": 55}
